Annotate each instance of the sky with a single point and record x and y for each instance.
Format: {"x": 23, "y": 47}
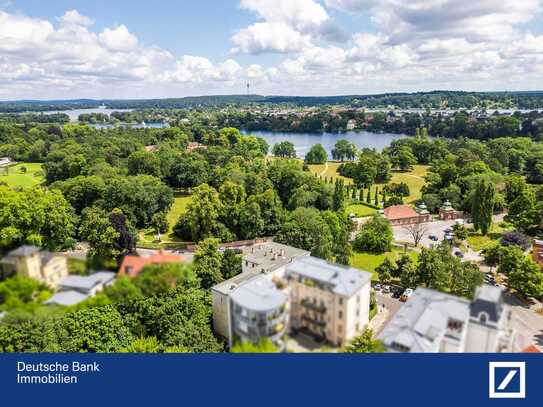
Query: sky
{"x": 122, "y": 49}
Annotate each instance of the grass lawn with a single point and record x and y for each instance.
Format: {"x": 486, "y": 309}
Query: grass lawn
{"x": 414, "y": 179}
{"x": 360, "y": 210}
{"x": 478, "y": 242}
{"x": 15, "y": 178}
{"x": 369, "y": 262}
{"x": 179, "y": 206}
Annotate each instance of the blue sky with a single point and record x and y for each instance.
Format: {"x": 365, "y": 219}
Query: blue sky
{"x": 126, "y": 49}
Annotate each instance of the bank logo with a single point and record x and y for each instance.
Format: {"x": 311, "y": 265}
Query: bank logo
{"x": 507, "y": 380}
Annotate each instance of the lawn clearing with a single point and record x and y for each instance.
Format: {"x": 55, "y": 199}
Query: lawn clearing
{"x": 16, "y": 178}
{"x": 360, "y": 210}
{"x": 414, "y": 178}
{"x": 147, "y": 236}
{"x": 369, "y": 262}
{"x": 478, "y": 242}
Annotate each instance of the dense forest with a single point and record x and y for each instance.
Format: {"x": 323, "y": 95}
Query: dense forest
{"x": 435, "y": 99}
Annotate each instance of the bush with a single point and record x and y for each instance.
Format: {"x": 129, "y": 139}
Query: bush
{"x": 516, "y": 238}
{"x": 375, "y": 236}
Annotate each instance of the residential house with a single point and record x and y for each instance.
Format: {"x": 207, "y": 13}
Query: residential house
{"x": 5, "y": 161}
{"x": 283, "y": 288}
{"x": 537, "y": 251}
{"x": 432, "y": 321}
{"x": 74, "y": 289}
{"x": 32, "y": 262}
{"x": 132, "y": 265}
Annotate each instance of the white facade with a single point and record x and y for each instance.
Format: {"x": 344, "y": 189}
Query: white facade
{"x": 432, "y": 321}
{"x": 326, "y": 300}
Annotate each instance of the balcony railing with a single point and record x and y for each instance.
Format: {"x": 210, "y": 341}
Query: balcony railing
{"x": 312, "y": 306}
{"x": 311, "y": 320}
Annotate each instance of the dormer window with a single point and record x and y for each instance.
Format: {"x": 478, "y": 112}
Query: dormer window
{"x": 483, "y": 317}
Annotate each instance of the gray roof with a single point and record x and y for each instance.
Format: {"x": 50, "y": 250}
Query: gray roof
{"x": 488, "y": 299}
{"x": 86, "y": 283}
{"x": 259, "y": 294}
{"x": 342, "y": 280}
{"x": 24, "y": 251}
{"x": 422, "y": 322}
{"x": 67, "y": 298}
{"x": 271, "y": 255}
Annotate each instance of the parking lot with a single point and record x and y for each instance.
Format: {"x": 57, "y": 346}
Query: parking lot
{"x": 437, "y": 228}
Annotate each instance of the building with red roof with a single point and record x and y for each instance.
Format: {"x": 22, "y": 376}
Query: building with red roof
{"x": 132, "y": 265}
{"x": 399, "y": 215}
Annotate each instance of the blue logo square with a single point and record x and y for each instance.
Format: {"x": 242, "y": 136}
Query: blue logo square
{"x": 507, "y": 379}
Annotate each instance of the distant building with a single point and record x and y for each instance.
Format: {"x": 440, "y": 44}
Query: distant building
{"x": 32, "y": 262}
{"x": 351, "y": 124}
{"x": 283, "y": 288}
{"x": 432, "y": 321}
{"x": 402, "y": 215}
{"x": 447, "y": 212}
{"x": 537, "y": 251}
{"x": 74, "y": 289}
{"x": 132, "y": 265}
{"x": 193, "y": 145}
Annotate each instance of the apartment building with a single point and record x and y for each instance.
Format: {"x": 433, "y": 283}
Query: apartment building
{"x": 32, "y": 262}
{"x": 329, "y": 301}
{"x": 254, "y": 304}
{"x": 432, "y": 321}
{"x": 282, "y": 288}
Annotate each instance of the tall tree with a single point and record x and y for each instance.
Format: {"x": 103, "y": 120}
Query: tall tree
{"x": 365, "y": 343}
{"x": 483, "y": 200}
{"x": 208, "y": 262}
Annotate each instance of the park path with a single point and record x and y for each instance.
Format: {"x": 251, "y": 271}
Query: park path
{"x": 324, "y": 171}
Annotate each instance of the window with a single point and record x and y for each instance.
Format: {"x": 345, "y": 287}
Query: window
{"x": 341, "y": 301}
{"x": 340, "y": 315}
{"x": 483, "y": 316}
{"x": 357, "y": 327}
{"x": 339, "y": 329}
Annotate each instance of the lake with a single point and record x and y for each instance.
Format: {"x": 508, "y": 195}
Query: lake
{"x": 303, "y": 141}
{"x": 74, "y": 117}
{"x": 74, "y": 114}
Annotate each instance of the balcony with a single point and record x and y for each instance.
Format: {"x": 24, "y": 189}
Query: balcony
{"x": 317, "y": 322}
{"x": 321, "y": 308}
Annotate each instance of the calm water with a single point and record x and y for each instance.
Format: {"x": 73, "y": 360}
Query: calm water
{"x": 74, "y": 116}
{"x": 303, "y": 141}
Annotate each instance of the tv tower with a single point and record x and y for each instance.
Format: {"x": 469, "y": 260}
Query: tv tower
{"x": 248, "y": 88}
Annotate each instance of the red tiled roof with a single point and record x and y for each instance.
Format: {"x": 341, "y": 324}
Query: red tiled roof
{"x": 132, "y": 265}
{"x": 531, "y": 349}
{"x": 400, "y": 212}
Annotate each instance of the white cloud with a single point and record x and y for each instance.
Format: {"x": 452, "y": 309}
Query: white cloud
{"x": 350, "y": 5}
{"x": 299, "y": 14}
{"x": 118, "y": 38}
{"x": 73, "y": 17}
{"x": 269, "y": 37}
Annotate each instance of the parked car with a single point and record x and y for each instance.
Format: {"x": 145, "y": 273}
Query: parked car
{"x": 406, "y": 294}
{"x": 448, "y": 231}
{"x": 386, "y": 289}
{"x": 459, "y": 254}
{"x": 433, "y": 238}
{"x": 377, "y": 287}
{"x": 449, "y": 236}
